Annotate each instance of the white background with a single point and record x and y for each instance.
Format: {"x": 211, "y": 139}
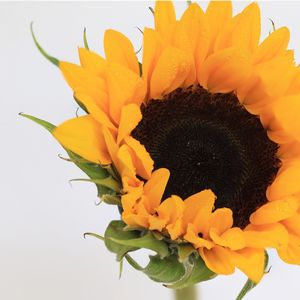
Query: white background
{"x": 42, "y": 219}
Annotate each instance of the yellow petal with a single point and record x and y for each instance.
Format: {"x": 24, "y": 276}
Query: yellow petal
{"x": 192, "y": 35}
{"x": 202, "y": 200}
{"x": 83, "y": 81}
{"x": 274, "y": 76}
{"x": 111, "y": 145}
{"x": 286, "y": 183}
{"x": 156, "y": 223}
{"x": 289, "y": 151}
{"x": 83, "y": 136}
{"x": 181, "y": 41}
{"x": 232, "y": 238}
{"x": 130, "y": 184}
{"x": 295, "y": 84}
{"x": 175, "y": 229}
{"x": 169, "y": 213}
{"x": 194, "y": 23}
{"x": 152, "y": 48}
{"x": 130, "y": 117}
{"x": 274, "y": 45}
{"x": 193, "y": 237}
{"x": 155, "y": 188}
{"x": 95, "y": 110}
{"x": 225, "y": 71}
{"x": 286, "y": 111}
{"x": 119, "y": 49}
{"x": 171, "y": 209}
{"x": 142, "y": 159}
{"x": 170, "y": 72}
{"x": 218, "y": 259}
{"x": 250, "y": 261}
{"x": 221, "y": 220}
{"x": 125, "y": 163}
{"x": 124, "y": 87}
{"x": 243, "y": 31}
{"x": 135, "y": 220}
{"x": 266, "y": 236}
{"x": 218, "y": 15}
{"x": 291, "y": 253}
{"x": 164, "y": 17}
{"x": 292, "y": 224}
{"x": 275, "y": 211}
{"x": 129, "y": 200}
{"x": 92, "y": 61}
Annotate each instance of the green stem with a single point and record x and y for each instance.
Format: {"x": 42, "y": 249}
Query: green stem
{"x": 188, "y": 293}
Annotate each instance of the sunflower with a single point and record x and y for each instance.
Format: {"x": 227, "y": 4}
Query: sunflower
{"x": 202, "y": 135}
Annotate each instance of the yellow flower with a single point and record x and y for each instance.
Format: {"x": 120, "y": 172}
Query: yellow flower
{"x": 206, "y": 139}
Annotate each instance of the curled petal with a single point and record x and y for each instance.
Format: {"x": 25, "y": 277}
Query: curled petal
{"x": 221, "y": 220}
{"x": 125, "y": 163}
{"x": 197, "y": 202}
{"x": 130, "y": 117}
{"x": 218, "y": 259}
{"x": 232, "y": 238}
{"x": 171, "y": 209}
{"x": 142, "y": 159}
{"x": 193, "y": 237}
{"x": 155, "y": 187}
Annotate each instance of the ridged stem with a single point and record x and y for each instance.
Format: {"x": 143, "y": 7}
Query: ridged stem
{"x": 189, "y": 293}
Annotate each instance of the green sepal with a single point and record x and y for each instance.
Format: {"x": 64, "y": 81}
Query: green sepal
{"x": 195, "y": 271}
{"x": 111, "y": 199}
{"x": 184, "y": 252}
{"x": 147, "y": 241}
{"x": 249, "y": 285}
{"x": 165, "y": 270}
{"x": 80, "y": 104}
{"x": 121, "y": 268}
{"x": 97, "y": 236}
{"x": 115, "y": 231}
{"x": 141, "y": 69}
{"x": 52, "y": 59}
{"x": 108, "y": 182}
{"x": 50, "y": 127}
{"x": 94, "y": 171}
{"x": 152, "y": 10}
{"x": 85, "y": 42}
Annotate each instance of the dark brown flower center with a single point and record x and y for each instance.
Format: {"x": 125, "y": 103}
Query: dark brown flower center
{"x": 210, "y": 141}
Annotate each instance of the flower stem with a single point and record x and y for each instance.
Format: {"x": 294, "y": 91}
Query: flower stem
{"x": 189, "y": 293}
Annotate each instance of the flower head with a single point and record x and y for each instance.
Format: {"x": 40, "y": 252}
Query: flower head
{"x": 202, "y": 137}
